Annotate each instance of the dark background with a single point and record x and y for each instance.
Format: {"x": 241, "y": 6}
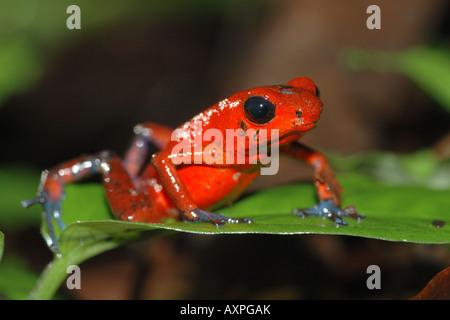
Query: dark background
{"x": 165, "y": 63}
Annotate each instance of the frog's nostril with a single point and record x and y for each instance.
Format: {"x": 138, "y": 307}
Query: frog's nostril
{"x": 298, "y": 113}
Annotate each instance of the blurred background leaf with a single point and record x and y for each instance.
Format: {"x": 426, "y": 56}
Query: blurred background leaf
{"x": 428, "y": 67}
{"x": 17, "y": 183}
{"x": 16, "y": 279}
{"x": 2, "y": 244}
{"x": 423, "y": 167}
{"x": 437, "y": 289}
{"x": 31, "y": 30}
{"x": 21, "y": 66}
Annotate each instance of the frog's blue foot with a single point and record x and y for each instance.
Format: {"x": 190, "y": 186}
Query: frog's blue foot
{"x": 52, "y": 210}
{"x": 327, "y": 209}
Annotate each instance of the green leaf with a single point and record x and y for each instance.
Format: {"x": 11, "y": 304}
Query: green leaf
{"x": 411, "y": 213}
{"x": 394, "y": 212}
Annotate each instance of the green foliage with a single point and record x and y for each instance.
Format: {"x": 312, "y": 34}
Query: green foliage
{"x": 30, "y": 30}
{"x": 2, "y": 244}
{"x": 388, "y": 207}
{"x": 20, "y": 66}
{"x": 402, "y": 207}
{"x": 17, "y": 184}
{"x": 16, "y": 279}
{"x": 420, "y": 168}
{"x": 402, "y": 197}
{"x": 430, "y": 69}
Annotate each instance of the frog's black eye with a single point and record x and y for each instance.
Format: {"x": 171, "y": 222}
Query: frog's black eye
{"x": 259, "y": 110}
{"x": 317, "y": 92}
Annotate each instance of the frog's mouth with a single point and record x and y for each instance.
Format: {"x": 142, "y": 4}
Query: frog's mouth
{"x": 272, "y": 139}
{"x": 286, "y": 139}
{"x": 291, "y": 136}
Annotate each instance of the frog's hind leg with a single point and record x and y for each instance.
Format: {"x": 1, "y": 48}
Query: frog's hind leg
{"x": 127, "y": 201}
{"x": 130, "y": 198}
{"x": 121, "y": 191}
{"x": 145, "y": 134}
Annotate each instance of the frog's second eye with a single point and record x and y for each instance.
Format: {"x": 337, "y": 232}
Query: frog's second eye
{"x": 317, "y": 92}
{"x": 259, "y": 110}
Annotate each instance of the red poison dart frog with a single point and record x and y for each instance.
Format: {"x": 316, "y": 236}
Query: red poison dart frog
{"x": 184, "y": 183}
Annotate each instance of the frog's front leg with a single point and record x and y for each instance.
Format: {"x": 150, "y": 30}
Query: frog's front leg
{"x": 328, "y": 188}
{"x": 166, "y": 168}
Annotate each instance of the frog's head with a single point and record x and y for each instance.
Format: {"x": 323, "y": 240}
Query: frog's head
{"x": 292, "y": 109}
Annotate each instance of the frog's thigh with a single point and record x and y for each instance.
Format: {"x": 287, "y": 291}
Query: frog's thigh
{"x": 126, "y": 202}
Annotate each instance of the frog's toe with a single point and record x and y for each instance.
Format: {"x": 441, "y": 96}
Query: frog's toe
{"x": 52, "y": 212}
{"x": 327, "y": 209}
{"x": 350, "y": 211}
